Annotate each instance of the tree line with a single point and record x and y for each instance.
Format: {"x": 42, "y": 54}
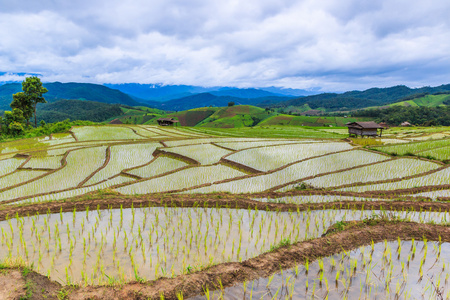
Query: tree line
{"x": 417, "y": 115}
{"x": 16, "y": 123}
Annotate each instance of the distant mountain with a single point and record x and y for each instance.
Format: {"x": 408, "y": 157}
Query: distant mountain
{"x": 244, "y": 93}
{"x": 290, "y": 92}
{"x": 360, "y": 99}
{"x": 160, "y": 92}
{"x": 75, "y": 91}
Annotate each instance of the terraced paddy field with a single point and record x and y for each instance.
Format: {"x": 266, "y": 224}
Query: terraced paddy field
{"x": 137, "y": 212}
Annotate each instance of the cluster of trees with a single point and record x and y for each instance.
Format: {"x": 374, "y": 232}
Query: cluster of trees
{"x": 418, "y": 115}
{"x": 23, "y": 106}
{"x": 78, "y": 110}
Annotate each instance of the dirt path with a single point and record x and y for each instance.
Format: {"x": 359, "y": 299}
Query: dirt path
{"x": 211, "y": 200}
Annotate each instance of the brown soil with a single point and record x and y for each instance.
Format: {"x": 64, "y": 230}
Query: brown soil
{"x": 12, "y": 285}
{"x": 244, "y": 201}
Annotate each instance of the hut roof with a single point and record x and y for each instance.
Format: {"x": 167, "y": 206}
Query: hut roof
{"x": 363, "y": 125}
{"x": 169, "y": 120}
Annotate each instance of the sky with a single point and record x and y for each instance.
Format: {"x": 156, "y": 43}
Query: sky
{"x": 326, "y": 45}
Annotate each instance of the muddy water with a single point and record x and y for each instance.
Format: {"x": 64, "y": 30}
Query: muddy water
{"x": 119, "y": 245}
{"x": 417, "y": 270}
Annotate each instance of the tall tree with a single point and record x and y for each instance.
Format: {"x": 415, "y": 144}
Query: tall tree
{"x": 33, "y": 89}
{"x": 22, "y": 102}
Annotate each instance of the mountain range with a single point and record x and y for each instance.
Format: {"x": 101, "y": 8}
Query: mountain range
{"x": 183, "y": 97}
{"x": 160, "y": 92}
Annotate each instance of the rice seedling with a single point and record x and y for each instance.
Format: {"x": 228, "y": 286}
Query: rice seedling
{"x": 385, "y": 279}
{"x": 80, "y": 163}
{"x": 158, "y": 166}
{"x": 386, "y": 170}
{"x": 268, "y": 158}
{"x": 198, "y": 151}
{"x": 295, "y": 172}
{"x": 124, "y": 157}
{"x": 45, "y": 162}
{"x": 10, "y": 164}
{"x": 183, "y": 179}
{"x": 158, "y": 241}
{"x": 105, "y": 133}
{"x": 438, "y": 178}
{"x": 251, "y": 144}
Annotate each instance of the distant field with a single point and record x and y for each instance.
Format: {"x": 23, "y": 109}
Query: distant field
{"x": 234, "y": 117}
{"x": 289, "y": 120}
{"x": 109, "y": 205}
{"x": 269, "y": 132}
{"x": 428, "y": 100}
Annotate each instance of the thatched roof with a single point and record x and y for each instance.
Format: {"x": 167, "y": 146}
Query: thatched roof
{"x": 364, "y": 125}
{"x": 168, "y": 120}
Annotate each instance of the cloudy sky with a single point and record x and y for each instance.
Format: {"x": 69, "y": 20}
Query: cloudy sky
{"x": 331, "y": 45}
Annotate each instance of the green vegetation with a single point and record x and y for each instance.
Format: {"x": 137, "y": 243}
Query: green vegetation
{"x": 437, "y": 149}
{"x": 268, "y": 132}
{"x": 420, "y": 115}
{"x": 289, "y": 120}
{"x": 361, "y": 99}
{"x": 236, "y": 116}
{"x": 12, "y": 124}
{"x": 181, "y": 231}
{"x": 45, "y": 129}
{"x": 78, "y": 110}
{"x": 239, "y": 116}
{"x": 70, "y": 91}
{"x": 425, "y": 100}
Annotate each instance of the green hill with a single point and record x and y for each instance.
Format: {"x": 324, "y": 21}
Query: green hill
{"x": 72, "y": 91}
{"x": 221, "y": 117}
{"x": 78, "y": 110}
{"x": 236, "y": 116}
{"x": 352, "y": 100}
{"x": 427, "y": 100}
{"x": 239, "y": 116}
{"x": 322, "y": 121}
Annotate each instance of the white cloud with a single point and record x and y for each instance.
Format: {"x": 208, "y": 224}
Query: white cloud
{"x": 336, "y": 45}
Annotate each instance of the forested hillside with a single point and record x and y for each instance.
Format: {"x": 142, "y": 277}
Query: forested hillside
{"x": 78, "y": 110}
{"x": 417, "y": 115}
{"x": 76, "y": 91}
{"x": 361, "y": 99}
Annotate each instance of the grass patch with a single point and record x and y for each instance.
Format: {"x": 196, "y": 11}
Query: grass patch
{"x": 366, "y": 141}
{"x": 281, "y": 132}
{"x": 283, "y": 243}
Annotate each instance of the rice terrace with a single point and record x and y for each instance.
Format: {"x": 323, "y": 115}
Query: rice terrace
{"x": 139, "y": 211}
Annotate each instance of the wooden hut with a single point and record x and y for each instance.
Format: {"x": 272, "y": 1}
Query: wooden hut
{"x": 364, "y": 129}
{"x": 405, "y": 124}
{"x": 167, "y": 121}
